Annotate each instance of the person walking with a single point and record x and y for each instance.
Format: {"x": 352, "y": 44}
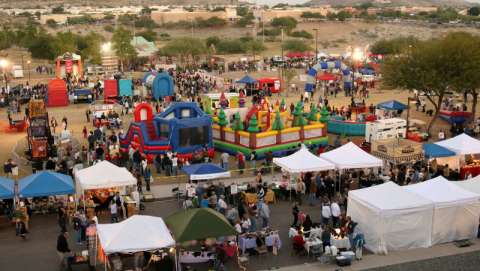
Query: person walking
{"x": 147, "y": 175}
{"x": 295, "y": 212}
{"x": 336, "y": 212}
{"x": 264, "y": 213}
{"x": 300, "y": 191}
{"x": 224, "y": 158}
{"x": 62, "y": 248}
{"x": 326, "y": 212}
{"x": 113, "y": 211}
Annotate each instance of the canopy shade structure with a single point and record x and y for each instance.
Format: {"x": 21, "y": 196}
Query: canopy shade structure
{"x": 137, "y": 233}
{"x": 7, "y": 188}
{"x": 456, "y": 210}
{"x": 247, "y": 79}
{"x": 199, "y": 223}
{"x": 392, "y": 105}
{"x": 391, "y": 218}
{"x": 45, "y": 183}
{"x": 350, "y": 156}
{"x": 104, "y": 175}
{"x": 472, "y": 184}
{"x": 206, "y": 171}
{"x": 303, "y": 161}
{"x": 432, "y": 150}
{"x": 461, "y": 144}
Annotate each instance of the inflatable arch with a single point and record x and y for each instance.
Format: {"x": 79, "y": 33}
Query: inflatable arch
{"x": 161, "y": 84}
{"x": 328, "y": 65}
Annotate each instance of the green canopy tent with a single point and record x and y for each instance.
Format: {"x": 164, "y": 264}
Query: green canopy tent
{"x": 199, "y": 223}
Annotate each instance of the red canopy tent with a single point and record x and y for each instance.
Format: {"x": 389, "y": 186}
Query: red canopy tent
{"x": 326, "y": 77}
{"x": 299, "y": 54}
{"x": 57, "y": 93}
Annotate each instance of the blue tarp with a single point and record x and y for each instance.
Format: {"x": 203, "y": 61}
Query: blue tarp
{"x": 247, "y": 79}
{"x": 392, "y": 105}
{"x": 205, "y": 171}
{"x": 45, "y": 183}
{"x": 7, "y": 187}
{"x": 433, "y": 150}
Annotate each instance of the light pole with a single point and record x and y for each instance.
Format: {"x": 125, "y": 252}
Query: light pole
{"x": 316, "y": 43}
{"x": 28, "y": 67}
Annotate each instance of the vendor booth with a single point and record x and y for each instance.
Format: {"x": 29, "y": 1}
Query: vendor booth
{"x": 205, "y": 171}
{"x": 456, "y": 211}
{"x": 45, "y": 183}
{"x": 7, "y": 188}
{"x": 100, "y": 181}
{"x": 350, "y": 156}
{"x": 397, "y": 151}
{"x": 464, "y": 147}
{"x": 391, "y": 218}
{"x": 303, "y": 161}
{"x": 471, "y": 185}
{"x": 137, "y": 233}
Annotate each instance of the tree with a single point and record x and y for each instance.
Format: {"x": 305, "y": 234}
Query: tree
{"x": 121, "y": 40}
{"x": 312, "y": 116}
{"x": 254, "y": 46}
{"x": 324, "y": 115}
{"x": 467, "y": 80}
{"x": 65, "y": 42}
{"x": 211, "y": 22}
{"x": 242, "y": 11}
{"x": 301, "y": 34}
{"x": 58, "y": 10}
{"x": 287, "y": 23}
{"x": 51, "y": 23}
{"x": 295, "y": 46}
{"x": 253, "y": 125}
{"x": 435, "y": 66}
{"x": 393, "y": 46}
{"x": 90, "y": 47}
{"x": 184, "y": 48}
{"x": 474, "y": 11}
{"x": 298, "y": 118}
{"x": 222, "y": 118}
{"x": 343, "y": 15}
{"x": 149, "y": 35}
{"x": 278, "y": 123}
{"x": 212, "y": 40}
{"x": 246, "y": 20}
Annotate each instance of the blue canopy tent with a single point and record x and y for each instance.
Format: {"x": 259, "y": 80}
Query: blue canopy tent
{"x": 433, "y": 150}
{"x": 247, "y": 79}
{"x": 392, "y": 105}
{"x": 7, "y": 188}
{"x": 206, "y": 171}
{"x": 45, "y": 183}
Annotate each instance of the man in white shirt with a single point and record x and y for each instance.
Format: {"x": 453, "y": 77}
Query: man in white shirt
{"x": 326, "y": 213}
{"x": 113, "y": 212}
{"x": 175, "y": 165}
{"x": 336, "y": 212}
{"x": 224, "y": 158}
{"x": 441, "y": 135}
{"x": 222, "y": 205}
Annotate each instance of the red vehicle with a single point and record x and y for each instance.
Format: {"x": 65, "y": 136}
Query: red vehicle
{"x": 274, "y": 84}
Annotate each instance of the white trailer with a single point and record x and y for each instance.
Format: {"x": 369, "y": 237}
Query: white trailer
{"x": 385, "y": 129}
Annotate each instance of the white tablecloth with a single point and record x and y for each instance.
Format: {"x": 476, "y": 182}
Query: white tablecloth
{"x": 340, "y": 243}
{"x": 292, "y": 233}
{"x": 188, "y": 257}
{"x": 312, "y": 242}
{"x": 315, "y": 232}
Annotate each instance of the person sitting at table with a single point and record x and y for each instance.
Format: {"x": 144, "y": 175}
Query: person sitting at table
{"x": 326, "y": 235}
{"x": 307, "y": 225}
{"x": 299, "y": 243}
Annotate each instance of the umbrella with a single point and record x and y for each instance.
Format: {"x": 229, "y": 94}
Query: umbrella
{"x": 199, "y": 223}
{"x": 247, "y": 79}
{"x": 6, "y": 188}
{"x": 392, "y": 105}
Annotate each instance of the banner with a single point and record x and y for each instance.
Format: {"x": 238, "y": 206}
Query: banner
{"x": 68, "y": 66}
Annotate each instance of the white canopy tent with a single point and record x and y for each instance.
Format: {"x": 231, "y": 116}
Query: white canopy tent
{"x": 391, "y": 218}
{"x": 303, "y": 161}
{"x": 104, "y": 175}
{"x": 461, "y": 144}
{"x": 456, "y": 210}
{"x": 472, "y": 184}
{"x": 350, "y": 156}
{"x": 137, "y": 233}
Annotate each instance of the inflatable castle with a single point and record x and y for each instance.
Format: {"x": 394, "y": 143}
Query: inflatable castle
{"x": 183, "y": 128}
{"x": 268, "y": 128}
